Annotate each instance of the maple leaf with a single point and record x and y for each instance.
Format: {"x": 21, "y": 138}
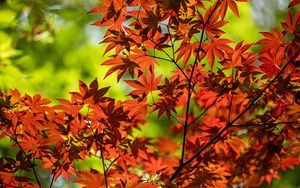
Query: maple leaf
{"x": 185, "y": 51}
{"x": 145, "y": 4}
{"x": 118, "y": 40}
{"x": 138, "y": 145}
{"x": 289, "y": 162}
{"x": 89, "y": 94}
{"x": 272, "y": 42}
{"x": 268, "y": 177}
{"x": 92, "y": 179}
{"x": 114, "y": 114}
{"x": 239, "y": 57}
{"x": 271, "y": 64}
{"x": 166, "y": 145}
{"x": 166, "y": 105}
{"x": 37, "y": 103}
{"x": 231, "y": 4}
{"x": 135, "y": 184}
{"x": 172, "y": 88}
{"x": 292, "y": 23}
{"x": 136, "y": 107}
{"x": 294, "y": 3}
{"x": 105, "y": 8}
{"x": 216, "y": 48}
{"x": 211, "y": 23}
{"x": 145, "y": 84}
{"x": 114, "y": 15}
{"x": 15, "y": 96}
{"x": 152, "y": 20}
{"x": 143, "y": 61}
{"x": 154, "y": 166}
{"x": 96, "y": 93}
{"x": 122, "y": 65}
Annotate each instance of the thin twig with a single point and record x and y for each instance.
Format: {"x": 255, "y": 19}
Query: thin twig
{"x": 230, "y": 108}
{"x": 170, "y": 58}
{"x": 161, "y": 58}
{"x": 264, "y": 123}
{"x": 52, "y": 179}
{"x": 24, "y": 153}
{"x": 107, "y": 169}
{"x": 206, "y": 109}
{"x": 103, "y": 165}
{"x": 101, "y": 148}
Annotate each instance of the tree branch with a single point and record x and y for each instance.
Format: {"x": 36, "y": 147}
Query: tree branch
{"x": 264, "y": 123}
{"x": 24, "y": 153}
{"x": 216, "y": 137}
{"x": 190, "y": 88}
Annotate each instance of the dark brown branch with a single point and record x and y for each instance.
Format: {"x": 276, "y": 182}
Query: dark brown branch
{"x": 206, "y": 109}
{"x": 190, "y": 88}
{"x": 107, "y": 169}
{"x": 24, "y": 153}
{"x": 161, "y": 58}
{"x": 217, "y": 136}
{"x": 257, "y": 98}
{"x": 264, "y": 123}
{"x": 103, "y": 165}
{"x": 101, "y": 148}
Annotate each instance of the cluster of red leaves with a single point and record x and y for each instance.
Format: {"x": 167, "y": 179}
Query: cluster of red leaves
{"x": 238, "y": 127}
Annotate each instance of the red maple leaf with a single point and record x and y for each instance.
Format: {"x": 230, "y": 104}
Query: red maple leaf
{"x": 145, "y": 84}
{"x": 216, "y": 48}
{"x": 92, "y": 179}
{"x": 272, "y": 41}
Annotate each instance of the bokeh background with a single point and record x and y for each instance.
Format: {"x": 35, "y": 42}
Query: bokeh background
{"x": 46, "y": 46}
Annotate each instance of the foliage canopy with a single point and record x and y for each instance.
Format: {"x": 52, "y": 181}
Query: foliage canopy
{"x": 236, "y": 111}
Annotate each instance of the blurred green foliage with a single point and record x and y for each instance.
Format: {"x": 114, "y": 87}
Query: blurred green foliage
{"x": 46, "y": 46}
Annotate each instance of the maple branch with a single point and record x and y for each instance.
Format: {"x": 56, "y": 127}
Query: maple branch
{"x": 107, "y": 169}
{"x": 24, "y": 153}
{"x": 257, "y": 98}
{"x": 52, "y": 179}
{"x": 201, "y": 38}
{"x": 100, "y": 145}
{"x": 31, "y": 164}
{"x": 230, "y": 108}
{"x": 176, "y": 118}
{"x": 170, "y": 58}
{"x": 206, "y": 109}
{"x": 265, "y": 123}
{"x": 216, "y": 137}
{"x": 231, "y": 99}
{"x": 20, "y": 184}
{"x": 102, "y": 157}
{"x": 172, "y": 44}
{"x": 190, "y": 88}
{"x": 161, "y": 58}
{"x": 103, "y": 165}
